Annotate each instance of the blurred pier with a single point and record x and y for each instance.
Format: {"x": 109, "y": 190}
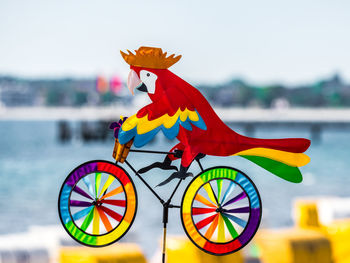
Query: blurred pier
{"x": 94, "y": 120}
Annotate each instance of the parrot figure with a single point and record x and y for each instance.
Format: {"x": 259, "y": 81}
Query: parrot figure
{"x": 180, "y": 111}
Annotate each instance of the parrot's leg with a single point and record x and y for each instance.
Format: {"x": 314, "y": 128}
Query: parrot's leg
{"x": 200, "y": 156}
{"x": 187, "y": 158}
{"x": 165, "y": 165}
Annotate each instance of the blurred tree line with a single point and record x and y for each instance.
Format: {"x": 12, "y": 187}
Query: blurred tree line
{"x": 57, "y": 92}
{"x": 332, "y": 92}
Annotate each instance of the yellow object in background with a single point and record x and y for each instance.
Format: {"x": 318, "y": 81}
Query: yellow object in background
{"x": 120, "y": 253}
{"x": 306, "y": 214}
{"x": 293, "y": 246}
{"x": 182, "y": 250}
{"x": 338, "y": 231}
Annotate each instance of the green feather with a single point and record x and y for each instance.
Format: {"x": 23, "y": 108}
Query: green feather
{"x": 286, "y": 172}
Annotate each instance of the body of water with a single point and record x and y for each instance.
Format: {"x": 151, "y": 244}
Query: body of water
{"x": 33, "y": 165}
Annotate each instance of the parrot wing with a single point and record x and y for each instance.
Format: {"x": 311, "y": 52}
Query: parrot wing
{"x": 143, "y": 130}
{"x": 170, "y": 111}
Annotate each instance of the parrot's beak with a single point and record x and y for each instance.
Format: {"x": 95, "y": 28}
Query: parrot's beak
{"x": 142, "y": 87}
{"x": 134, "y": 82}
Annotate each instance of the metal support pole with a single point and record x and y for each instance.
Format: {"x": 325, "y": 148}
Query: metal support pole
{"x": 164, "y": 245}
{"x": 165, "y": 221}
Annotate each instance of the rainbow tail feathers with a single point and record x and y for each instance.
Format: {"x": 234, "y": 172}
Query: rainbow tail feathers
{"x": 280, "y": 163}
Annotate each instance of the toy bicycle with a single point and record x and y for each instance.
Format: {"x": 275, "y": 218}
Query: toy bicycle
{"x": 220, "y": 209}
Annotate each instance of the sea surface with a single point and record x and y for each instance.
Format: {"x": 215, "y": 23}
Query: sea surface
{"x": 33, "y": 165}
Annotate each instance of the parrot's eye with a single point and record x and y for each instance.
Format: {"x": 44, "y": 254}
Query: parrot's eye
{"x": 149, "y": 79}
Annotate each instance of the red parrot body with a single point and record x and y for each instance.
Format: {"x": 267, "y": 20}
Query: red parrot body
{"x": 179, "y": 109}
{"x": 173, "y": 93}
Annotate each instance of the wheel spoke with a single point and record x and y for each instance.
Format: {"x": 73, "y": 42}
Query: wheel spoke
{"x": 205, "y": 222}
{"x": 237, "y": 220}
{"x": 221, "y": 229}
{"x": 81, "y": 192}
{"x": 201, "y": 210}
{"x": 230, "y": 227}
{"x": 111, "y": 213}
{"x": 236, "y": 198}
{"x": 79, "y": 203}
{"x": 116, "y": 191}
{"x": 82, "y": 213}
{"x": 204, "y": 201}
{"x": 97, "y": 183}
{"x": 219, "y": 186}
{"x": 88, "y": 184}
{"x": 105, "y": 220}
{"x": 228, "y": 191}
{"x": 96, "y": 222}
{"x": 239, "y": 210}
{"x": 210, "y": 193}
{"x": 121, "y": 203}
{"x": 107, "y": 184}
{"x": 87, "y": 220}
{"x": 212, "y": 228}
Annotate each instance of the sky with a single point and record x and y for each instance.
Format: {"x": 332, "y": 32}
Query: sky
{"x": 260, "y": 41}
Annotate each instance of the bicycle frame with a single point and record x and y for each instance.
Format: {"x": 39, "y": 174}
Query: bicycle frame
{"x": 166, "y": 204}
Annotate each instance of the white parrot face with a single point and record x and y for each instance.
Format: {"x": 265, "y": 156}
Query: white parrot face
{"x": 146, "y": 82}
{"x": 149, "y": 79}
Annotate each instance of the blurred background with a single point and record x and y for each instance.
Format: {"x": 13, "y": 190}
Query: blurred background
{"x": 270, "y": 69}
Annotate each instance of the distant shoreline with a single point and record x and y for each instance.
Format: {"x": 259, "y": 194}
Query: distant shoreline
{"x": 229, "y": 115}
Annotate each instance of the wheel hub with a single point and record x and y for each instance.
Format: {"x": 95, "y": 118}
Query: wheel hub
{"x": 97, "y": 202}
{"x": 219, "y": 209}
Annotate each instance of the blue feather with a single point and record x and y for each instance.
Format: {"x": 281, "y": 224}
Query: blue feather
{"x": 143, "y": 139}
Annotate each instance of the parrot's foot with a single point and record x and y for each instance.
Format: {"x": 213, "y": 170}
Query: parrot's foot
{"x": 165, "y": 165}
{"x": 182, "y": 174}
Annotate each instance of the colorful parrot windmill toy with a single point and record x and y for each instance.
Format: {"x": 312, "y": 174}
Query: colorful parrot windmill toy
{"x": 221, "y": 207}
